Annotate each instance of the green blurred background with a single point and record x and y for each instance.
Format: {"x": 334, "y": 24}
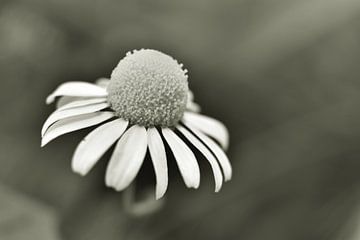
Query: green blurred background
{"x": 283, "y": 75}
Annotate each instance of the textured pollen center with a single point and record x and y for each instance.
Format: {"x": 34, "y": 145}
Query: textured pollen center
{"x": 148, "y": 88}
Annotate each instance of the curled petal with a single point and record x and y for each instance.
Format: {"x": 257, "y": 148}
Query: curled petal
{"x": 218, "y": 152}
{"x": 77, "y": 89}
{"x": 158, "y": 157}
{"x": 208, "y": 155}
{"x": 184, "y": 157}
{"x": 95, "y": 144}
{"x": 74, "y": 123}
{"x": 209, "y": 126}
{"x": 127, "y": 158}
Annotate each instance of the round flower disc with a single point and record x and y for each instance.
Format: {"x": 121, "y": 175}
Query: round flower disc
{"x": 148, "y": 88}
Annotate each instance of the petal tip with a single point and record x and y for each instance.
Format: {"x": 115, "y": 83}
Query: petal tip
{"x": 50, "y": 99}
{"x": 43, "y": 143}
{"x": 160, "y": 193}
{"x": 119, "y": 188}
{"x": 228, "y": 178}
{"x": 194, "y": 185}
{"x": 159, "y": 196}
{"x": 111, "y": 183}
{"x": 112, "y": 186}
{"x": 218, "y": 188}
{"x": 81, "y": 171}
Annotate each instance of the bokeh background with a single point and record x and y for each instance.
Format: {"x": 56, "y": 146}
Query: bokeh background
{"x": 283, "y": 75}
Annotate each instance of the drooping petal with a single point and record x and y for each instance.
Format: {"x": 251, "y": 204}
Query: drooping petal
{"x": 158, "y": 157}
{"x": 102, "y": 82}
{"x": 77, "y": 89}
{"x": 71, "y": 112}
{"x": 95, "y": 144}
{"x": 127, "y": 158}
{"x": 81, "y": 102}
{"x": 184, "y": 157}
{"x": 208, "y": 155}
{"x": 74, "y": 123}
{"x": 218, "y": 152}
{"x": 209, "y": 126}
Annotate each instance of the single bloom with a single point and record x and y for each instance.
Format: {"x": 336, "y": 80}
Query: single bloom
{"x": 145, "y": 104}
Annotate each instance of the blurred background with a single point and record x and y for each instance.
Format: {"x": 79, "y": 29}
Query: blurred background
{"x": 283, "y": 75}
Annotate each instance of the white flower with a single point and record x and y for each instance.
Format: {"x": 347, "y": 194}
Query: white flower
{"x": 145, "y": 103}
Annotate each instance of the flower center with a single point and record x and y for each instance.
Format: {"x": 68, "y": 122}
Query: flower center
{"x": 148, "y": 88}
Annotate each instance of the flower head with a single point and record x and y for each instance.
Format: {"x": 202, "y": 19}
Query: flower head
{"x": 145, "y": 104}
{"x": 148, "y": 88}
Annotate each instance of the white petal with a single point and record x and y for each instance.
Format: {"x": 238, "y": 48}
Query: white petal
{"x": 184, "y": 157}
{"x": 158, "y": 157}
{"x": 127, "y": 158}
{"x": 77, "y": 89}
{"x": 102, "y": 82}
{"x": 95, "y": 144}
{"x": 74, "y": 123}
{"x": 71, "y": 112}
{"x": 208, "y": 155}
{"x": 81, "y": 102}
{"x": 209, "y": 126}
{"x": 193, "y": 107}
{"x": 218, "y": 152}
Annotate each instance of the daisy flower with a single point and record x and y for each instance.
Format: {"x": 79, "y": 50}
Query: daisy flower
{"x": 144, "y": 105}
